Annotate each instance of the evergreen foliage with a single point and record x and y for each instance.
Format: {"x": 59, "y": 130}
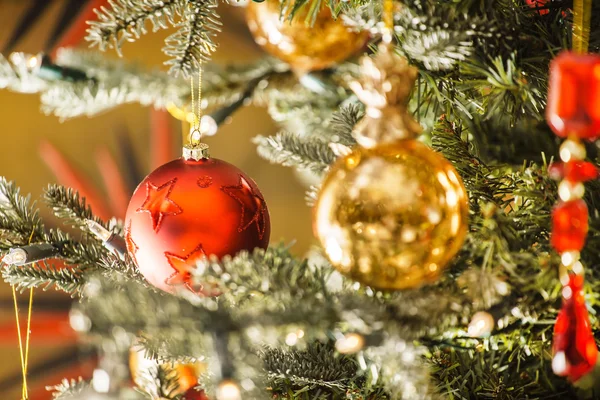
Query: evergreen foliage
{"x": 480, "y": 95}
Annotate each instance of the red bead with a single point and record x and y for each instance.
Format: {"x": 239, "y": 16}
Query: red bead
{"x": 574, "y": 347}
{"x": 185, "y": 211}
{"x": 538, "y": 4}
{"x": 574, "y": 95}
{"x": 569, "y": 226}
{"x": 574, "y": 171}
{"x": 556, "y": 171}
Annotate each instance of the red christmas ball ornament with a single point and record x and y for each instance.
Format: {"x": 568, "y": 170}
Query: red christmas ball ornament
{"x": 191, "y": 208}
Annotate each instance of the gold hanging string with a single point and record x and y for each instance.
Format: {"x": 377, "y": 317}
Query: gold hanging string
{"x": 28, "y": 337}
{"x": 24, "y": 394}
{"x": 388, "y": 20}
{"x": 192, "y": 92}
{"x": 24, "y": 352}
{"x": 195, "y": 132}
{"x": 582, "y": 16}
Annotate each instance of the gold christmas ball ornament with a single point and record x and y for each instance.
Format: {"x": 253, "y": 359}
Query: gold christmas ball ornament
{"x": 303, "y": 46}
{"x": 393, "y": 212}
{"x": 392, "y": 216}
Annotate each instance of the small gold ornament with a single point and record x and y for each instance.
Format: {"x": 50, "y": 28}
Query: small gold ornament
{"x": 393, "y": 212}
{"x": 187, "y": 373}
{"x": 304, "y": 47}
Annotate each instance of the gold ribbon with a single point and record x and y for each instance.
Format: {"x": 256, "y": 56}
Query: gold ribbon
{"x": 190, "y": 120}
{"x": 24, "y": 353}
{"x": 582, "y": 16}
{"x": 186, "y": 117}
{"x": 180, "y": 113}
{"x": 388, "y": 16}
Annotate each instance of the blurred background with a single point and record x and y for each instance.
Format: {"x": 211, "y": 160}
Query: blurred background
{"x": 39, "y": 149}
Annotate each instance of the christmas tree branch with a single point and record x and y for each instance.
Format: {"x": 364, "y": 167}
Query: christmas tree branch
{"x": 473, "y": 372}
{"x": 290, "y": 151}
{"x": 312, "y": 148}
{"x": 194, "y": 42}
{"x": 159, "y": 382}
{"x": 484, "y": 67}
{"x": 21, "y": 225}
{"x": 69, "y": 207}
{"x": 111, "y": 83}
{"x": 126, "y": 20}
{"x": 401, "y": 370}
{"x": 68, "y": 389}
{"x": 317, "y": 366}
{"x": 285, "y": 297}
{"x": 45, "y": 275}
{"x": 18, "y": 214}
{"x": 343, "y": 122}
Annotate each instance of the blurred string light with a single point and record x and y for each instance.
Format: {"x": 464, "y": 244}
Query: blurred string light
{"x": 111, "y": 241}
{"x": 29, "y": 254}
{"x": 481, "y": 324}
{"x": 351, "y": 343}
{"x": 229, "y": 390}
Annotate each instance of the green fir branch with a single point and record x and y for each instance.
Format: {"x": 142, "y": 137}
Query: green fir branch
{"x": 158, "y": 382}
{"x": 18, "y": 214}
{"x": 112, "y": 83}
{"x": 8, "y": 76}
{"x": 503, "y": 88}
{"x": 68, "y": 206}
{"x": 126, "y": 20}
{"x": 475, "y": 374}
{"x": 263, "y": 273}
{"x": 480, "y": 96}
{"x": 193, "y": 43}
{"x": 290, "y": 151}
{"x": 311, "y": 150}
{"x": 343, "y": 122}
{"x": 68, "y": 389}
{"x": 316, "y": 366}
{"x": 111, "y": 265}
{"x": 45, "y": 275}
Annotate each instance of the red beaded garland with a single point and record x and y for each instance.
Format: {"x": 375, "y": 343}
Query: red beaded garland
{"x": 187, "y": 210}
{"x": 573, "y": 171}
{"x": 574, "y": 95}
{"x": 573, "y": 111}
{"x": 574, "y": 346}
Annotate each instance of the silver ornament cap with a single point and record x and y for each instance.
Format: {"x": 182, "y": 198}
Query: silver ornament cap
{"x": 196, "y": 151}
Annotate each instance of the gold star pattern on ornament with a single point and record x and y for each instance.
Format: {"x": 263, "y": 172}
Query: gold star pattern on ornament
{"x": 183, "y": 266}
{"x": 158, "y": 204}
{"x": 253, "y": 206}
{"x": 205, "y": 181}
{"x": 132, "y": 247}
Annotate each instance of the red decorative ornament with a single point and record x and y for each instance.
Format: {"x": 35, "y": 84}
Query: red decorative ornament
{"x": 191, "y": 208}
{"x": 574, "y": 111}
{"x": 574, "y": 95}
{"x": 569, "y": 226}
{"x": 573, "y": 171}
{"x": 574, "y": 346}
